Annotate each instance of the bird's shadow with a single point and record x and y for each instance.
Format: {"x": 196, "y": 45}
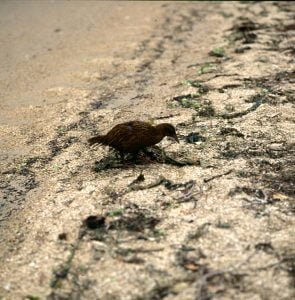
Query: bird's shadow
{"x": 148, "y": 156}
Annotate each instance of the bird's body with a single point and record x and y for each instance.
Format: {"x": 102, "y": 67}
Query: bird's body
{"x": 131, "y": 137}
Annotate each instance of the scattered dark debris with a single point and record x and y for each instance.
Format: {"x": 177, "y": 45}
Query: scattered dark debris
{"x": 243, "y": 31}
{"x": 257, "y": 200}
{"x": 242, "y": 49}
{"x": 274, "y": 45}
{"x": 168, "y": 184}
{"x": 130, "y": 255}
{"x": 229, "y": 107}
{"x": 84, "y": 114}
{"x": 189, "y": 193}
{"x": 282, "y": 181}
{"x": 62, "y": 271}
{"x": 191, "y": 264}
{"x": 289, "y": 95}
{"x": 94, "y": 222}
{"x": 160, "y": 291}
{"x": 263, "y": 59}
{"x": 58, "y": 144}
{"x": 187, "y": 188}
{"x": 97, "y": 228}
{"x": 206, "y": 109}
{"x": 284, "y": 6}
{"x": 289, "y": 260}
{"x": 138, "y": 222}
{"x": 83, "y": 123}
{"x": 202, "y": 88}
{"x": 208, "y": 68}
{"x": 107, "y": 163}
{"x": 277, "y": 176}
{"x": 25, "y": 164}
{"x": 217, "y": 281}
{"x": 223, "y": 225}
{"x": 280, "y": 151}
{"x": 187, "y": 101}
{"x": 115, "y": 212}
{"x": 201, "y": 64}
{"x": 258, "y": 102}
{"x": 285, "y": 76}
{"x": 61, "y": 130}
{"x": 138, "y": 179}
{"x": 230, "y": 86}
{"x": 286, "y": 262}
{"x": 95, "y": 104}
{"x": 217, "y": 176}
{"x": 231, "y": 150}
{"x": 218, "y": 52}
{"x": 114, "y": 196}
{"x": 286, "y": 27}
{"x": 76, "y": 290}
{"x": 231, "y": 131}
{"x": 203, "y": 107}
{"x": 189, "y": 259}
{"x": 194, "y": 137}
{"x": 167, "y": 116}
{"x": 62, "y": 236}
{"x": 267, "y": 248}
{"x": 129, "y": 219}
{"x": 253, "y": 192}
{"x": 199, "y": 232}
{"x": 15, "y": 187}
{"x": 127, "y": 251}
{"x": 181, "y": 125}
{"x": 131, "y": 258}
{"x": 31, "y": 297}
{"x": 272, "y": 83}
{"x": 255, "y": 98}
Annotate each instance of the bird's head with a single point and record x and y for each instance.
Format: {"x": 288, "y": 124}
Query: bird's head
{"x": 168, "y": 130}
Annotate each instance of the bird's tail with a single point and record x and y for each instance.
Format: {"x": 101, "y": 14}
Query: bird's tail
{"x": 100, "y": 139}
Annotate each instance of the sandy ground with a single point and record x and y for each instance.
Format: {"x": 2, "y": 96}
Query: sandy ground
{"x": 221, "y": 226}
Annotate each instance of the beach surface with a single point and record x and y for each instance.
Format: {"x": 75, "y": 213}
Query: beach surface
{"x": 209, "y": 218}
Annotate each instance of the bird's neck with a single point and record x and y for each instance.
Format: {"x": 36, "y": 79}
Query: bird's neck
{"x": 160, "y": 129}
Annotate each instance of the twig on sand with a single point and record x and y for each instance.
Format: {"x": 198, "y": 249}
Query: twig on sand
{"x": 244, "y": 112}
{"x": 217, "y": 176}
{"x": 202, "y": 283}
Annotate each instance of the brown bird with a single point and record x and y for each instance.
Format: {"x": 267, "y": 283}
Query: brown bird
{"x": 133, "y": 136}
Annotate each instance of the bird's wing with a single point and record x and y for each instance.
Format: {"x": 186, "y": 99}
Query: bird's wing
{"x": 142, "y": 134}
{"x": 131, "y": 136}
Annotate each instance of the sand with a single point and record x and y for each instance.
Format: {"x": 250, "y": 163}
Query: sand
{"x": 223, "y": 74}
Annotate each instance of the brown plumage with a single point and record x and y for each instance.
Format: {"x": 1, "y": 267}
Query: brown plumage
{"x": 131, "y": 137}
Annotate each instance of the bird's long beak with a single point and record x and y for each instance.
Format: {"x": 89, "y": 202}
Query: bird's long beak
{"x": 176, "y": 138}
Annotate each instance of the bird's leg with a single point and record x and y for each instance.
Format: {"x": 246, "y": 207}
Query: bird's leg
{"x": 117, "y": 155}
{"x": 122, "y": 157}
{"x": 145, "y": 150}
{"x": 135, "y": 155}
{"x": 149, "y": 153}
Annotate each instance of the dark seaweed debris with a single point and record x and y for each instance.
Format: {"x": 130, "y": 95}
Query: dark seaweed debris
{"x": 94, "y": 222}
{"x": 252, "y": 108}
{"x": 244, "y": 31}
{"x": 194, "y": 137}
